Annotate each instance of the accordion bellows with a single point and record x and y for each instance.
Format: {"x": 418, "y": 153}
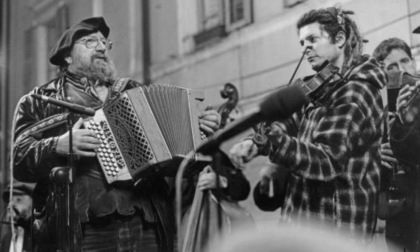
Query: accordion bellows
{"x": 147, "y": 131}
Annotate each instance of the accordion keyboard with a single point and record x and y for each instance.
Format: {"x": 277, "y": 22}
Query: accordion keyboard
{"x": 106, "y": 153}
{"x": 147, "y": 131}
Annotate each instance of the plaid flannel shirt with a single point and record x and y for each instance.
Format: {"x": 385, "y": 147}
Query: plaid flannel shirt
{"x": 334, "y": 158}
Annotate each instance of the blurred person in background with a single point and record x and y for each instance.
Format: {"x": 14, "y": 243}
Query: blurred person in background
{"x": 19, "y": 210}
{"x": 402, "y": 221}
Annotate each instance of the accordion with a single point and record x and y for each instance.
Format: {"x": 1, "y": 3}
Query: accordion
{"x": 147, "y": 131}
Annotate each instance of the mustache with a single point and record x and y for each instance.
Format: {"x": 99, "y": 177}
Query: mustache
{"x": 101, "y": 56}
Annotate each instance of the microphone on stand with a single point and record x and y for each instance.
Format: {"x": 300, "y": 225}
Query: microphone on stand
{"x": 279, "y": 105}
{"x": 71, "y": 106}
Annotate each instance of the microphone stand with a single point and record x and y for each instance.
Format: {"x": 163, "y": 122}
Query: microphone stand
{"x": 217, "y": 168}
{"x": 63, "y": 180}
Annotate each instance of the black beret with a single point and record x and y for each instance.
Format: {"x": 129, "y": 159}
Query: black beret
{"x": 84, "y": 28}
{"x": 19, "y": 188}
{"x": 417, "y": 30}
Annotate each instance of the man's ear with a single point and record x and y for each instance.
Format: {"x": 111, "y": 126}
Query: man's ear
{"x": 340, "y": 39}
{"x": 68, "y": 59}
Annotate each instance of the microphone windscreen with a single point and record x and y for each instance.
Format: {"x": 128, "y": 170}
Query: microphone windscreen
{"x": 283, "y": 103}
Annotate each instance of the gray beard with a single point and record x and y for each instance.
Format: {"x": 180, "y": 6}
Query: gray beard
{"x": 98, "y": 70}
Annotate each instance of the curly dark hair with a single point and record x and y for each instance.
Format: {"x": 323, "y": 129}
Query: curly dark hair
{"x": 334, "y": 20}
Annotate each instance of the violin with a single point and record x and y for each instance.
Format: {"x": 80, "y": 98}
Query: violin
{"x": 312, "y": 85}
{"x": 400, "y": 79}
{"x": 405, "y": 139}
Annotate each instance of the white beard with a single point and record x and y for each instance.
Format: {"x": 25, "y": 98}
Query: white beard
{"x": 102, "y": 70}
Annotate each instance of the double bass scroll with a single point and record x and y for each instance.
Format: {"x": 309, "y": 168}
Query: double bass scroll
{"x": 212, "y": 215}
{"x": 230, "y": 93}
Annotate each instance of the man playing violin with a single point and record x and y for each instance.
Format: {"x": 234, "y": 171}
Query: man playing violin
{"x": 332, "y": 146}
{"x": 401, "y": 225}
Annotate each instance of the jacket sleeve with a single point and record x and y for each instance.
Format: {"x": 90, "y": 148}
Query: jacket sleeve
{"x": 238, "y": 186}
{"x": 349, "y": 128}
{"x": 34, "y": 148}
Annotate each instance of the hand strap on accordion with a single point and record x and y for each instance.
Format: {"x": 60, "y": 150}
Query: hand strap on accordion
{"x": 120, "y": 84}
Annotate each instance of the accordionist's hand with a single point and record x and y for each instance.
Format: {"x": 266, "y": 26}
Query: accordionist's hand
{"x": 84, "y": 141}
{"x": 209, "y": 121}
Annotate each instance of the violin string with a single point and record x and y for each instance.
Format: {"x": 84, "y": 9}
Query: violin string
{"x": 297, "y": 67}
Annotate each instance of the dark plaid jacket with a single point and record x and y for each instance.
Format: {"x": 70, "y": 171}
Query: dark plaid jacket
{"x": 334, "y": 157}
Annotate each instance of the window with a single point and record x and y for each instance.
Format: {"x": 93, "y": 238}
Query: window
{"x": 219, "y": 17}
{"x": 211, "y": 14}
{"x": 238, "y": 13}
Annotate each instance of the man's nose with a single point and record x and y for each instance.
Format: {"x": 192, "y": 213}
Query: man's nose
{"x": 305, "y": 48}
{"x": 101, "y": 46}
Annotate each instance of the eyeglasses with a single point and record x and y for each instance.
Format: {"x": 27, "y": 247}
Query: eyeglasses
{"x": 93, "y": 42}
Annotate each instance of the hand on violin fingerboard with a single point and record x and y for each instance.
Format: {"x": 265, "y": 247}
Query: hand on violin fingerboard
{"x": 408, "y": 102}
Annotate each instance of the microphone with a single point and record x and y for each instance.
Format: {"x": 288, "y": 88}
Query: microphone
{"x": 71, "y": 106}
{"x": 279, "y": 105}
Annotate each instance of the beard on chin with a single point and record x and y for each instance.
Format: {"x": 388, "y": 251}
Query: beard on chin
{"x": 98, "y": 70}
{"x": 102, "y": 70}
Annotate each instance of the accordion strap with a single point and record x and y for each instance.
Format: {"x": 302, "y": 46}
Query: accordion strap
{"x": 120, "y": 84}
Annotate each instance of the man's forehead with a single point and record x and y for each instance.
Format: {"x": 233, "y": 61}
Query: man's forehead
{"x": 396, "y": 54}
{"x": 95, "y": 34}
{"x": 310, "y": 30}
